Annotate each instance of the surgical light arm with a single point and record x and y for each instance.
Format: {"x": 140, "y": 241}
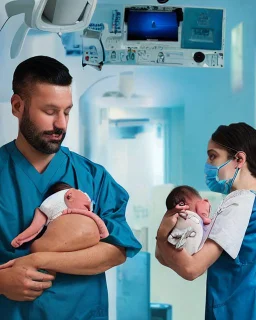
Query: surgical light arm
{"x": 46, "y": 15}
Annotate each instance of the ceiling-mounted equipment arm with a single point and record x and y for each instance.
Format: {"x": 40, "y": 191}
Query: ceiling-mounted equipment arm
{"x": 58, "y": 16}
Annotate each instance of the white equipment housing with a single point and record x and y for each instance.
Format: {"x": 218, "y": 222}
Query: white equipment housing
{"x": 56, "y": 16}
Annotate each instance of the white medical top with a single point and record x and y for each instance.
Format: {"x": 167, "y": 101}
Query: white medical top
{"x": 230, "y": 221}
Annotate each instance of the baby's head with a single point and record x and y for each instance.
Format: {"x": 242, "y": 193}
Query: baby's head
{"x": 186, "y": 195}
{"x": 183, "y": 195}
{"x": 68, "y": 197}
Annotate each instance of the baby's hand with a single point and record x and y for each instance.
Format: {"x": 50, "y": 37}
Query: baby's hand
{"x": 183, "y": 207}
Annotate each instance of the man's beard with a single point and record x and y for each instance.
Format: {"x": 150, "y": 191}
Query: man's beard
{"x": 36, "y": 138}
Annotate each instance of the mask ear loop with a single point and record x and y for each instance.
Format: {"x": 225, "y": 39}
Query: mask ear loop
{"x": 237, "y": 170}
{"x": 222, "y": 165}
{"x": 233, "y": 179}
{"x": 226, "y": 147}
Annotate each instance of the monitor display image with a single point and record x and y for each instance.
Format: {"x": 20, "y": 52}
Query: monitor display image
{"x": 203, "y": 29}
{"x": 152, "y": 26}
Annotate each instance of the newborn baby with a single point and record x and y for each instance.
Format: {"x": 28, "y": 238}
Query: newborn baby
{"x": 189, "y": 229}
{"x": 71, "y": 224}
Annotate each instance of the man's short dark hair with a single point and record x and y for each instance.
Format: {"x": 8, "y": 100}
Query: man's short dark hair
{"x": 39, "y": 69}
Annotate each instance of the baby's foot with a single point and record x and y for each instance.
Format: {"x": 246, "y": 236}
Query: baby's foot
{"x": 16, "y": 243}
{"x": 67, "y": 211}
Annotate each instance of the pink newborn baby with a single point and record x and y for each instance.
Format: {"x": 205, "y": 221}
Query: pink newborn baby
{"x": 71, "y": 225}
{"x": 189, "y": 229}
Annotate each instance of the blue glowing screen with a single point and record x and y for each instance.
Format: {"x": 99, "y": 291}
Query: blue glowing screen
{"x": 156, "y": 26}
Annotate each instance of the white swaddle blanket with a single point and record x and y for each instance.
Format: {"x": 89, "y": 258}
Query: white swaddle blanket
{"x": 54, "y": 205}
{"x": 188, "y": 233}
{"x": 228, "y": 225}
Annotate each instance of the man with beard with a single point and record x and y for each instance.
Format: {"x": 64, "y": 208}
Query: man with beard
{"x": 42, "y": 101}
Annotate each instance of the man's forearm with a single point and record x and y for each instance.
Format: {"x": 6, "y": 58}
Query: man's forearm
{"x": 94, "y": 260}
{"x": 2, "y": 275}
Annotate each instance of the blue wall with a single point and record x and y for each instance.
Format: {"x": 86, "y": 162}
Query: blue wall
{"x": 207, "y": 93}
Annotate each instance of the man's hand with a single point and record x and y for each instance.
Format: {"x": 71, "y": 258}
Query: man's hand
{"x": 21, "y": 281}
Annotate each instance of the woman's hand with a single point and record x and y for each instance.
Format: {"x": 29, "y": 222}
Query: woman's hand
{"x": 169, "y": 221}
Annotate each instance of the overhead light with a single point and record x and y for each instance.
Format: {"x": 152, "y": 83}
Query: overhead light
{"x": 162, "y": 1}
{"x": 56, "y": 16}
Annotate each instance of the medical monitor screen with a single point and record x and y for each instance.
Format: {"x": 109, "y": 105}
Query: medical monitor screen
{"x": 152, "y": 26}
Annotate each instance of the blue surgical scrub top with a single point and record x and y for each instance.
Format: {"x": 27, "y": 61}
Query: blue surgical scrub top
{"x": 231, "y": 283}
{"x": 22, "y": 189}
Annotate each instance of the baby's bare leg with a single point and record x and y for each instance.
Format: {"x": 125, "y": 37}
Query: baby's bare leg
{"x": 69, "y": 232}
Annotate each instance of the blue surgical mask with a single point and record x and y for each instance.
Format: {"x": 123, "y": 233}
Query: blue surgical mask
{"x": 212, "y": 178}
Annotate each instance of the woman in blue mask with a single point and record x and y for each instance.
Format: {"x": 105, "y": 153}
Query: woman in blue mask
{"x": 229, "y": 254}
